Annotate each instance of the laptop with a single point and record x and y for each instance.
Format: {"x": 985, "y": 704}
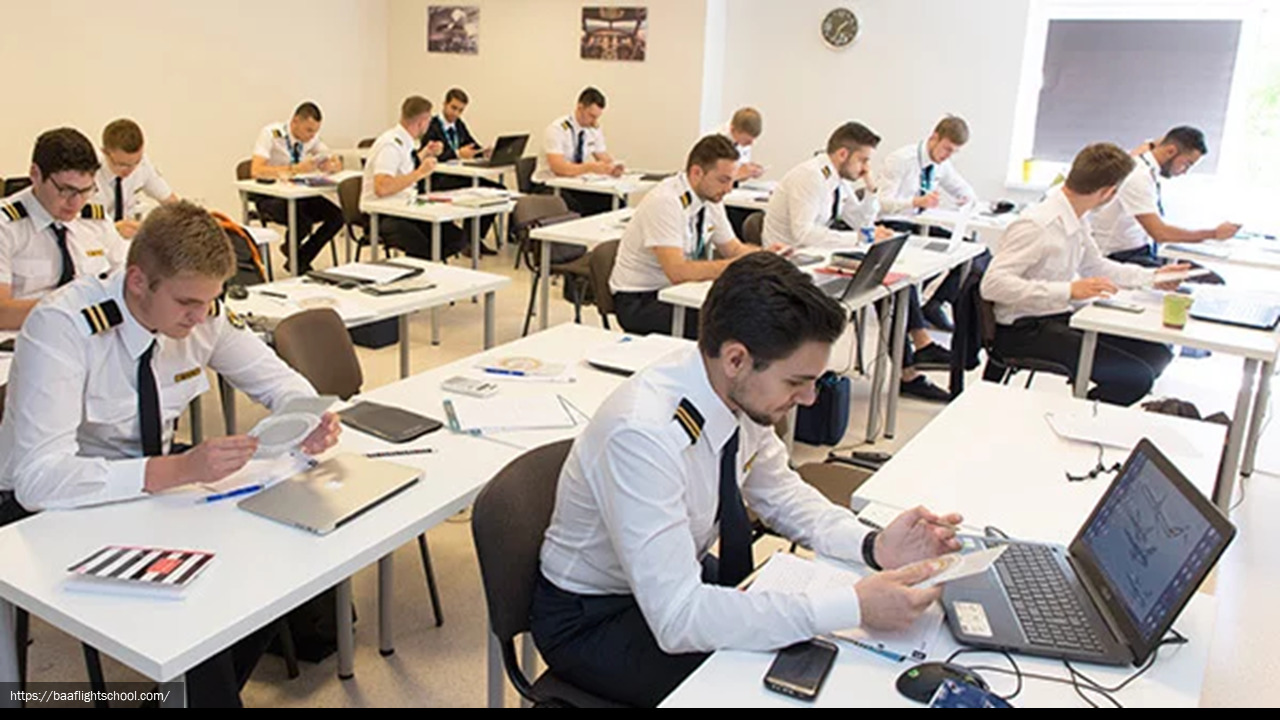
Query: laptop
{"x": 331, "y": 494}
{"x": 507, "y": 149}
{"x": 1113, "y": 594}
{"x": 1240, "y": 311}
{"x": 874, "y": 266}
{"x": 630, "y": 354}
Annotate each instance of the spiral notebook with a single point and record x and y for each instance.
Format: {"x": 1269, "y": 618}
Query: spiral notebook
{"x": 131, "y": 570}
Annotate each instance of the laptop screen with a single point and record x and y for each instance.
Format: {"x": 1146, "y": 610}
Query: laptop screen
{"x": 1152, "y": 539}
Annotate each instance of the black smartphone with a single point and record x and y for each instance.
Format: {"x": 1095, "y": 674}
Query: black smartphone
{"x": 874, "y": 456}
{"x": 799, "y": 670}
{"x": 7, "y": 345}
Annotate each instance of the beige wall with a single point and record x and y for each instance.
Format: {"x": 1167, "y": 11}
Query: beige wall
{"x": 201, "y": 78}
{"x": 528, "y": 73}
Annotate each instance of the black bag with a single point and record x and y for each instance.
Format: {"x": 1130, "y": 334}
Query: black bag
{"x": 825, "y": 422}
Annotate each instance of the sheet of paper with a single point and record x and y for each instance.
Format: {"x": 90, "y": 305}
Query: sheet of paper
{"x": 262, "y": 472}
{"x": 963, "y": 565}
{"x": 507, "y": 413}
{"x": 1117, "y": 430}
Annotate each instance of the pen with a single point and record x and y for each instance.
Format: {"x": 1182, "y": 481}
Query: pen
{"x": 270, "y": 293}
{"x": 247, "y": 489}
{"x": 398, "y": 453}
{"x": 500, "y": 371}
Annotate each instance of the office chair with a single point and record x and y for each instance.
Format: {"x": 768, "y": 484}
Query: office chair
{"x": 603, "y": 256}
{"x": 571, "y": 262}
{"x": 349, "y": 192}
{"x": 753, "y": 229}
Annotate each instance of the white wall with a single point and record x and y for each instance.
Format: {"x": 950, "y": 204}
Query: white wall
{"x": 913, "y": 62}
{"x": 528, "y": 73}
{"x": 201, "y": 78}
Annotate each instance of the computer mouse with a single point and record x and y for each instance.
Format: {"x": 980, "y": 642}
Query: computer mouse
{"x": 1002, "y": 206}
{"x": 237, "y": 292}
{"x": 265, "y": 181}
{"x": 919, "y": 683}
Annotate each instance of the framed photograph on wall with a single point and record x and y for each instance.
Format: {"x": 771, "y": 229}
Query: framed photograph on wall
{"x": 453, "y": 29}
{"x": 614, "y": 33}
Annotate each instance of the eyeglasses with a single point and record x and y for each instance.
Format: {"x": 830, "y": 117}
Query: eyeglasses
{"x": 1097, "y": 470}
{"x": 69, "y": 192}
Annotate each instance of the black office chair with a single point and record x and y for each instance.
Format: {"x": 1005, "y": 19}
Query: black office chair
{"x": 973, "y": 308}
{"x": 571, "y": 262}
{"x": 14, "y": 185}
{"x": 508, "y": 520}
{"x": 524, "y": 174}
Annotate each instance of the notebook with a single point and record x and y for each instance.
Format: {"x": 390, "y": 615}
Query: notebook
{"x": 505, "y": 413}
{"x": 138, "y": 570}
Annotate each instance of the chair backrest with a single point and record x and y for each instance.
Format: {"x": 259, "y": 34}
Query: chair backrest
{"x": 753, "y": 229}
{"x": 524, "y": 173}
{"x": 532, "y": 209}
{"x": 365, "y": 143}
{"x": 317, "y": 345}
{"x": 602, "y": 259}
{"x": 243, "y": 169}
{"x": 3, "y": 389}
{"x": 15, "y": 184}
{"x": 508, "y": 520}
{"x": 349, "y": 191}
{"x": 535, "y": 211}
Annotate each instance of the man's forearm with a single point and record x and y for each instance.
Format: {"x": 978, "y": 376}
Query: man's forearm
{"x": 14, "y": 312}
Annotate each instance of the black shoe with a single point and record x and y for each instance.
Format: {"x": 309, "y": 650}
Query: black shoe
{"x": 933, "y": 357}
{"x": 922, "y": 389}
{"x": 937, "y": 317}
{"x": 486, "y": 250}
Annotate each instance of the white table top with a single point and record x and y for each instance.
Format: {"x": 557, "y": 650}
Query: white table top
{"x": 621, "y": 186}
{"x": 748, "y": 198}
{"x": 1012, "y": 480}
{"x": 461, "y": 169}
{"x": 357, "y": 308}
{"x": 588, "y": 231}
{"x": 950, "y": 217}
{"x": 285, "y": 189}
{"x": 1251, "y": 252}
{"x": 433, "y": 212}
{"x": 1149, "y": 325}
{"x": 264, "y": 569}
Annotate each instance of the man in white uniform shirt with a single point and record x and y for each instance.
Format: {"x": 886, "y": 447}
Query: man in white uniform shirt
{"x": 294, "y": 148}
{"x": 744, "y": 128}
{"x": 1048, "y": 264}
{"x": 125, "y": 172}
{"x": 1128, "y": 229}
{"x": 816, "y": 205}
{"x": 669, "y": 239}
{"x": 574, "y": 145}
{"x": 49, "y": 233}
{"x": 629, "y": 601}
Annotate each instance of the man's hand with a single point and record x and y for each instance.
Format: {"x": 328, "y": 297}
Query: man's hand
{"x": 926, "y": 201}
{"x": 332, "y": 164}
{"x": 882, "y": 233}
{"x": 916, "y": 534}
{"x": 616, "y": 169}
{"x": 750, "y": 171}
{"x": 435, "y": 147}
{"x": 781, "y": 249}
{"x": 127, "y": 228}
{"x": 427, "y": 166}
{"x": 466, "y": 152}
{"x": 1170, "y": 285}
{"x": 1226, "y": 231}
{"x": 306, "y": 166}
{"x": 1086, "y": 288}
{"x": 324, "y": 436}
{"x": 216, "y": 458}
{"x": 887, "y": 600}
{"x": 865, "y": 177}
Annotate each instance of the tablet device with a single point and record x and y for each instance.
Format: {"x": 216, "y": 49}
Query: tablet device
{"x": 388, "y": 423}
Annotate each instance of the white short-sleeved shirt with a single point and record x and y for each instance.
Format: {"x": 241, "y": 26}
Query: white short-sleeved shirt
{"x": 666, "y": 217}
{"x": 275, "y": 141}
{"x": 561, "y": 138}
{"x": 744, "y": 151}
{"x": 901, "y": 179}
{"x": 391, "y": 154}
{"x": 71, "y": 433}
{"x": 30, "y": 262}
{"x": 805, "y": 204}
{"x": 144, "y": 178}
{"x": 635, "y": 513}
{"x": 1115, "y": 225}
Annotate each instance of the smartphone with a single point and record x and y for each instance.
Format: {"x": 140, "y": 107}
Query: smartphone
{"x": 799, "y": 670}
{"x": 1114, "y": 304}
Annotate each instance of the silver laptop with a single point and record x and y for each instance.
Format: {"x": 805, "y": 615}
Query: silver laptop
{"x": 333, "y": 493}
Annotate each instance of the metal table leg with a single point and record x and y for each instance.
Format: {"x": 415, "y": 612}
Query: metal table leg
{"x": 496, "y": 674}
{"x": 403, "y": 322}
{"x": 435, "y": 253}
{"x": 489, "y": 302}
{"x": 373, "y": 237}
{"x": 1230, "y": 465}
{"x": 895, "y": 370}
{"x": 386, "y": 590}
{"x": 197, "y": 420}
{"x": 877, "y": 371}
{"x": 1084, "y": 368}
{"x": 293, "y": 236}
{"x": 544, "y": 273}
{"x": 346, "y": 632}
{"x": 677, "y": 321}
{"x": 228, "y": 394}
{"x": 1259, "y": 417}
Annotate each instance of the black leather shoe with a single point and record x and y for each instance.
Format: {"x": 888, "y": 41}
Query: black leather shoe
{"x": 922, "y": 389}
{"x": 486, "y": 250}
{"x": 933, "y": 357}
{"x": 937, "y": 317}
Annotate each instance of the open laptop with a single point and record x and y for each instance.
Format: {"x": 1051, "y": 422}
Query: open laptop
{"x": 874, "y": 266}
{"x": 1240, "y": 311}
{"x": 1113, "y": 594}
{"x": 507, "y": 149}
{"x": 331, "y": 494}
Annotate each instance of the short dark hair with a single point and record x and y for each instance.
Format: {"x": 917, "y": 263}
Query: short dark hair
{"x": 953, "y": 128}
{"x": 64, "y": 149}
{"x": 456, "y": 94}
{"x": 414, "y": 106}
{"x": 123, "y": 134}
{"x": 1187, "y": 138}
{"x": 710, "y": 150}
{"x": 591, "y": 96}
{"x": 747, "y": 120}
{"x": 852, "y": 135}
{"x": 308, "y": 111}
{"x": 766, "y": 303}
{"x": 1098, "y": 166}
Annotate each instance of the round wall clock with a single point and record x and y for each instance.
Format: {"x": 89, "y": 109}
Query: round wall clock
{"x": 839, "y": 28}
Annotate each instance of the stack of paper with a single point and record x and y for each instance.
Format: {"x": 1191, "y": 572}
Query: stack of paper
{"x": 505, "y": 413}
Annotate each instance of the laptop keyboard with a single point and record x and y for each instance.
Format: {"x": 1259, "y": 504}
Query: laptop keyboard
{"x": 1249, "y": 312}
{"x": 1044, "y": 600}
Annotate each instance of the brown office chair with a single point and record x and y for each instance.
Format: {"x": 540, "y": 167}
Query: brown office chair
{"x": 753, "y": 229}
{"x": 349, "y": 192}
{"x": 508, "y": 520}
{"x": 602, "y": 259}
{"x": 317, "y": 344}
{"x": 571, "y": 262}
{"x": 524, "y": 174}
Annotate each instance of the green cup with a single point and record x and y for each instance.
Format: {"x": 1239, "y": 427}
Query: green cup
{"x": 1176, "y": 308}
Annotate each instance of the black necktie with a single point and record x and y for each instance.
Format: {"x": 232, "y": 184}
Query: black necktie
{"x": 119, "y": 199}
{"x": 417, "y": 163}
{"x": 835, "y": 207}
{"x": 451, "y": 134}
{"x": 926, "y": 180}
{"x": 700, "y": 247}
{"x": 295, "y": 152}
{"x": 149, "y": 405}
{"x": 735, "y": 529}
{"x": 577, "y": 151}
{"x": 68, "y": 267}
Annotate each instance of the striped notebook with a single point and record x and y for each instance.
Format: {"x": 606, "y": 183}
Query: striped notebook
{"x": 138, "y": 570}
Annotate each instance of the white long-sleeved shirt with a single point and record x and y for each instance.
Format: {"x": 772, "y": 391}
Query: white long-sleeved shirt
{"x": 1115, "y": 225}
{"x": 902, "y": 179}
{"x": 1041, "y": 254}
{"x": 636, "y": 511}
{"x": 804, "y": 206}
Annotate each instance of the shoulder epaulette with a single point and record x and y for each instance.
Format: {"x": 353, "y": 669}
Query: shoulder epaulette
{"x": 826, "y": 172}
{"x": 398, "y": 140}
{"x": 277, "y": 132}
{"x": 103, "y": 316}
{"x": 566, "y": 125}
{"x": 686, "y": 199}
{"x": 14, "y": 211}
{"x": 690, "y": 419}
{"x": 215, "y": 308}
{"x": 94, "y": 211}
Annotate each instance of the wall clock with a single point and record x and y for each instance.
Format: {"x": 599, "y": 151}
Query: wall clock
{"x": 839, "y": 28}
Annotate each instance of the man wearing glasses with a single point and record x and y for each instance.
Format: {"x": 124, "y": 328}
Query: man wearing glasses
{"x": 49, "y": 233}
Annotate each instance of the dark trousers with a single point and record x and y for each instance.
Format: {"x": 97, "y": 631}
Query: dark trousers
{"x": 414, "y": 237}
{"x": 642, "y": 313}
{"x": 588, "y": 203}
{"x": 602, "y": 644}
{"x": 915, "y": 321}
{"x": 311, "y": 211}
{"x": 1123, "y": 369}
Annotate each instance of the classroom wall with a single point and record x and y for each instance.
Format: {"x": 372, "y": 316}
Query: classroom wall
{"x": 201, "y": 78}
{"x": 528, "y": 73}
{"x": 965, "y": 55}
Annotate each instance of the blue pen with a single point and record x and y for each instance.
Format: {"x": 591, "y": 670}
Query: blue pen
{"x": 247, "y": 489}
{"x": 500, "y": 371}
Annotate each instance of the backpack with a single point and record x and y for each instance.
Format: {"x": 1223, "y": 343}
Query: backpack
{"x": 249, "y": 267}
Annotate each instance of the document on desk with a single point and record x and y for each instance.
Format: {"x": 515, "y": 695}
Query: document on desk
{"x": 505, "y": 413}
{"x": 1118, "y": 430}
{"x": 787, "y": 573}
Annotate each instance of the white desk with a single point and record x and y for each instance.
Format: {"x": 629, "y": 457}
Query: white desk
{"x": 433, "y": 213}
{"x": 291, "y": 193}
{"x": 587, "y": 232}
{"x": 983, "y": 222}
{"x": 620, "y": 189}
{"x": 746, "y": 198}
{"x": 1256, "y": 347}
{"x": 474, "y": 172}
{"x": 1010, "y": 476}
{"x": 1259, "y": 253}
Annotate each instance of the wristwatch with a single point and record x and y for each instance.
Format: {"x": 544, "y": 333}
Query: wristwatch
{"x": 869, "y": 550}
